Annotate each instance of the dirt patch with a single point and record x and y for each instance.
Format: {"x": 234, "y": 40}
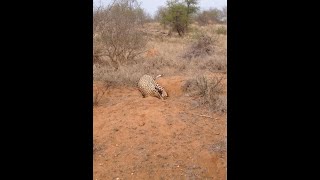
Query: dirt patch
{"x": 172, "y": 85}
{"x": 147, "y": 138}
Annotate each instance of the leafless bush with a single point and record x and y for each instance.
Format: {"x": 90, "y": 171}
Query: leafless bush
{"x": 201, "y": 48}
{"x": 210, "y": 91}
{"x": 211, "y": 16}
{"x": 116, "y": 30}
{"x": 203, "y": 18}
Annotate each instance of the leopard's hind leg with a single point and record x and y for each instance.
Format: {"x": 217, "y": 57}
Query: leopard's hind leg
{"x": 142, "y": 93}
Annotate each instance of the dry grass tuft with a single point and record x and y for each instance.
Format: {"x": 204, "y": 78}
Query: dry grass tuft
{"x": 201, "y": 48}
{"x": 221, "y": 30}
{"x": 209, "y": 90}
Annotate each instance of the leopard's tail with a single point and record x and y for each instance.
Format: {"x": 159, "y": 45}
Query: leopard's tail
{"x": 158, "y": 76}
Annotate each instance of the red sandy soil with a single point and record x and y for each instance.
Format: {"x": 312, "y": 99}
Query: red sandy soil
{"x": 147, "y": 138}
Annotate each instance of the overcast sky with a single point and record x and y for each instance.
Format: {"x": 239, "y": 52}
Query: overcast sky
{"x": 151, "y": 6}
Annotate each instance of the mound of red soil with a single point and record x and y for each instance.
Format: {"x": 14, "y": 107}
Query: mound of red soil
{"x": 147, "y": 138}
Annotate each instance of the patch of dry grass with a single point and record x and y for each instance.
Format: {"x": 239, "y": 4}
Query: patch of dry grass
{"x": 222, "y": 30}
{"x": 203, "y": 47}
{"x": 210, "y": 91}
{"x": 165, "y": 56}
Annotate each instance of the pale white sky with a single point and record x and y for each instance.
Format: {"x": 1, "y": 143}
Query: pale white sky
{"x": 151, "y": 6}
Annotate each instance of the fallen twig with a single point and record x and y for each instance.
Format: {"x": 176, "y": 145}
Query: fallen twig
{"x": 201, "y": 115}
{"x": 206, "y": 116}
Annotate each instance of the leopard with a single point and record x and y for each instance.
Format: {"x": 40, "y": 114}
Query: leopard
{"x": 149, "y": 87}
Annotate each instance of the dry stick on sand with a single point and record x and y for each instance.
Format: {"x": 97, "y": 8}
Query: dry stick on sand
{"x": 205, "y": 116}
{"x": 201, "y": 115}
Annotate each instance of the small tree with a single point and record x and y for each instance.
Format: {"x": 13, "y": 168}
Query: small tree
{"x": 178, "y": 17}
{"x": 160, "y": 15}
{"x": 177, "y": 14}
{"x": 191, "y": 9}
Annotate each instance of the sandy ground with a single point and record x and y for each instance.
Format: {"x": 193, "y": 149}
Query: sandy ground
{"x": 146, "y": 138}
